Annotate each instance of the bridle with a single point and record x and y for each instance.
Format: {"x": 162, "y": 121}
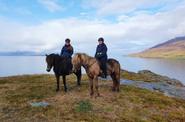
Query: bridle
{"x": 88, "y": 66}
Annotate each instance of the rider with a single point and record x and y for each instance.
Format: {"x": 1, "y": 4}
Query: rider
{"x": 67, "y": 50}
{"x": 101, "y": 56}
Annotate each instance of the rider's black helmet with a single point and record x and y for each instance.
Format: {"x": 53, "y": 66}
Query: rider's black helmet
{"x": 67, "y": 40}
{"x": 101, "y": 39}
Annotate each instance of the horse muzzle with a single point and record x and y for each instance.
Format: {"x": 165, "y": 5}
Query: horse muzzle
{"x": 48, "y": 69}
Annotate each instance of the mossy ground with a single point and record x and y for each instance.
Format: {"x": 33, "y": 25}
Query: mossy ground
{"x": 130, "y": 104}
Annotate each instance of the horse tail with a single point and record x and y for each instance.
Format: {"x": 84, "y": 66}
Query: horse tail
{"x": 116, "y": 72}
{"x": 119, "y": 73}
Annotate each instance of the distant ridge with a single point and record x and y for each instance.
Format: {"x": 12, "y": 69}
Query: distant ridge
{"x": 20, "y": 53}
{"x": 170, "y": 41}
{"x": 173, "y": 48}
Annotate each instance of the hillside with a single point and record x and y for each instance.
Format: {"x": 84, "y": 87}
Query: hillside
{"x": 174, "y": 48}
{"x": 130, "y": 104}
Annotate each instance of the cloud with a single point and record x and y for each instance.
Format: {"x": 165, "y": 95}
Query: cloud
{"x": 112, "y": 7}
{"x": 128, "y": 34}
{"x": 51, "y": 5}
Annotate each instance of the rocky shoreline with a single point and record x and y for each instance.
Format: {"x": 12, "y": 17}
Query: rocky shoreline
{"x": 166, "y": 89}
{"x": 154, "y": 82}
{"x": 148, "y": 76}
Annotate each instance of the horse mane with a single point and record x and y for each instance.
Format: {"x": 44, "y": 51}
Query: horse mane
{"x": 83, "y": 54}
{"x": 56, "y": 56}
{"x": 53, "y": 54}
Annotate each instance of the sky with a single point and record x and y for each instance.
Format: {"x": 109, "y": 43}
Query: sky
{"x": 127, "y": 26}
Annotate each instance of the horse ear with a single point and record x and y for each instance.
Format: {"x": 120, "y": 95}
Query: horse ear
{"x": 79, "y": 56}
{"x": 46, "y": 54}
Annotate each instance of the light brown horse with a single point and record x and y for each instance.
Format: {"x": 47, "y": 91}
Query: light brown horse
{"x": 92, "y": 67}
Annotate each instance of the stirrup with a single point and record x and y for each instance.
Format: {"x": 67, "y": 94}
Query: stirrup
{"x": 104, "y": 76}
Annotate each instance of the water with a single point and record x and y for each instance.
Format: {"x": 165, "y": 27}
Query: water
{"x": 18, "y": 65}
{"x": 168, "y": 67}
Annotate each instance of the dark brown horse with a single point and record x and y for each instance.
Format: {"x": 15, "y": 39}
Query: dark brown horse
{"x": 62, "y": 66}
{"x": 93, "y": 70}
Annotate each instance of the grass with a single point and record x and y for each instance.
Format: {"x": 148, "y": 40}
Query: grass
{"x": 83, "y": 106}
{"x": 130, "y": 104}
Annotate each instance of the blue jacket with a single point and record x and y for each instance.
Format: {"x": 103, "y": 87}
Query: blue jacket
{"x": 101, "y": 52}
{"x": 67, "y": 51}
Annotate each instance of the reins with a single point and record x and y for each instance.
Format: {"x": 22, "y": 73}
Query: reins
{"x": 92, "y": 64}
{"x": 88, "y": 66}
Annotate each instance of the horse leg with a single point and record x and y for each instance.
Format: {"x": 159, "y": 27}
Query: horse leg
{"x": 117, "y": 82}
{"x": 64, "y": 82}
{"x": 78, "y": 75}
{"x": 58, "y": 82}
{"x": 96, "y": 85}
{"x": 114, "y": 82}
{"x": 118, "y": 85}
{"x": 91, "y": 87}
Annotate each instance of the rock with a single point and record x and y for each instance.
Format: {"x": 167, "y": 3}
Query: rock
{"x": 145, "y": 72}
{"x": 166, "y": 89}
{"x": 39, "y": 104}
{"x": 149, "y": 76}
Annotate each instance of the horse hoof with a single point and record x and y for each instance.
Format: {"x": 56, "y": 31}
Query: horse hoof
{"x": 78, "y": 88}
{"x": 113, "y": 89}
{"x": 91, "y": 94}
{"x": 98, "y": 95}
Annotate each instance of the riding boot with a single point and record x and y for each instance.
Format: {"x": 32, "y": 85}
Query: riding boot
{"x": 70, "y": 65}
{"x": 104, "y": 68}
{"x": 104, "y": 74}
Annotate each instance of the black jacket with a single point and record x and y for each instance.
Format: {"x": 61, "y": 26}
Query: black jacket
{"x": 101, "y": 52}
{"x": 67, "y": 51}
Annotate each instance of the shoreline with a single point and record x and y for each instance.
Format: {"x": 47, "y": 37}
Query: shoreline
{"x": 155, "y": 57}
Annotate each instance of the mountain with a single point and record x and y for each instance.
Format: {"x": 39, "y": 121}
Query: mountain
{"x": 173, "y": 48}
{"x": 20, "y": 53}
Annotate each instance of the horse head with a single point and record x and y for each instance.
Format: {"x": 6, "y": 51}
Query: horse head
{"x": 76, "y": 61}
{"x": 49, "y": 61}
